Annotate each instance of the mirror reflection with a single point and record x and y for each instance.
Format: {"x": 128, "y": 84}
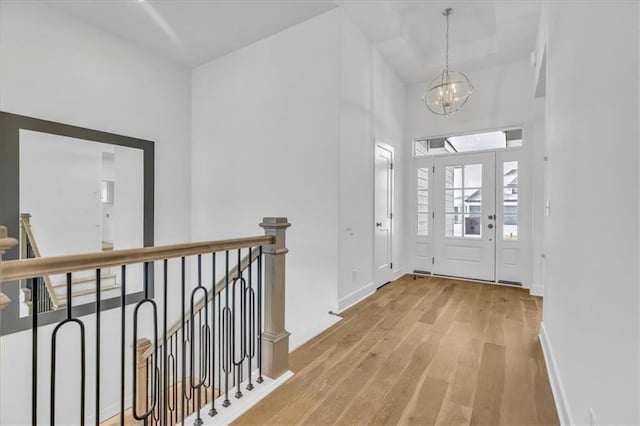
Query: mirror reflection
{"x": 77, "y": 196}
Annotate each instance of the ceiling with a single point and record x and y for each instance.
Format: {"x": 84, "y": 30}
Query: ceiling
{"x": 411, "y": 34}
{"x": 192, "y": 32}
{"x": 408, "y": 34}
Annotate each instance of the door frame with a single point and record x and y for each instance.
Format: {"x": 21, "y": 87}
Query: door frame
{"x": 421, "y": 262}
{"x": 380, "y": 279}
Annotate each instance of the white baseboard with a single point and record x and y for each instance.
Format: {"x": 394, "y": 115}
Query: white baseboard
{"x": 355, "y": 297}
{"x": 238, "y": 407}
{"x": 559, "y": 396}
{"x": 399, "y": 272}
{"x": 536, "y": 290}
{"x": 300, "y": 338}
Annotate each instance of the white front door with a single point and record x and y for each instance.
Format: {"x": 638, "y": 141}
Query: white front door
{"x": 464, "y": 216}
{"x": 383, "y": 214}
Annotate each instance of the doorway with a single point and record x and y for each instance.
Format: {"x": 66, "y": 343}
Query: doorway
{"x": 471, "y": 208}
{"x": 383, "y": 214}
{"x": 465, "y": 218}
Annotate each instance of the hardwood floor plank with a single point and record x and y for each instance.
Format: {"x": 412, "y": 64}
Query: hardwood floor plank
{"x": 429, "y": 402}
{"x": 424, "y": 351}
{"x": 364, "y": 405}
{"x": 490, "y": 388}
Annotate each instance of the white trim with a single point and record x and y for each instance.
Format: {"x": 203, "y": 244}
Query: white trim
{"x": 536, "y": 290}
{"x": 328, "y": 322}
{"x": 356, "y": 297}
{"x": 238, "y": 407}
{"x": 559, "y": 395}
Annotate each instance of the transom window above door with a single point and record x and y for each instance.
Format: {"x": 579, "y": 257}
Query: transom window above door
{"x": 503, "y": 139}
{"x": 463, "y": 201}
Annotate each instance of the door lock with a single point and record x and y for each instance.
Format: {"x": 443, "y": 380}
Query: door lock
{"x": 490, "y": 225}
{"x": 379, "y": 224}
{"x": 490, "y": 217}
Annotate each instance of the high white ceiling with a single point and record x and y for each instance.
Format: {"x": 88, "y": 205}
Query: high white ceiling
{"x": 409, "y": 34}
{"x": 192, "y": 32}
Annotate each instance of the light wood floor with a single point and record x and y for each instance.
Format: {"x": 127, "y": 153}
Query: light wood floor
{"x": 425, "y": 351}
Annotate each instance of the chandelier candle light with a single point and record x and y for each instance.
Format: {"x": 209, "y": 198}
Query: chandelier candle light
{"x": 448, "y": 92}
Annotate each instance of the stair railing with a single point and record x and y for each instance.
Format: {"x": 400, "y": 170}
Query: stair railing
{"x": 48, "y": 300}
{"x": 231, "y": 329}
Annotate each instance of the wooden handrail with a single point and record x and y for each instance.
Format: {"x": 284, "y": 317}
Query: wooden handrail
{"x": 27, "y": 235}
{"x": 5, "y": 244}
{"x": 199, "y": 305}
{"x": 28, "y": 268}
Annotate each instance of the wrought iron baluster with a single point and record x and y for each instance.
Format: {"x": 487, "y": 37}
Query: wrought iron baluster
{"x": 34, "y": 354}
{"x": 98, "y": 313}
{"x": 226, "y": 318}
{"x": 123, "y": 317}
{"x": 239, "y": 287}
{"x": 182, "y": 325}
{"x": 260, "y": 379}
{"x": 212, "y": 410}
{"x": 202, "y": 342}
{"x": 54, "y": 338}
{"x": 165, "y": 368}
{"x": 251, "y": 347}
{"x": 154, "y": 368}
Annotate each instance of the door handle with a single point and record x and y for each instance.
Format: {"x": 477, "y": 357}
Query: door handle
{"x": 379, "y": 224}
{"x": 490, "y": 225}
{"x": 490, "y": 217}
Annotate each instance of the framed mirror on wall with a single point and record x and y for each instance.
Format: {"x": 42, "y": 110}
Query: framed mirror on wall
{"x": 69, "y": 190}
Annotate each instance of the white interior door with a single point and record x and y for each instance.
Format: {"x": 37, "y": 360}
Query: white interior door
{"x": 465, "y": 216}
{"x": 383, "y": 214}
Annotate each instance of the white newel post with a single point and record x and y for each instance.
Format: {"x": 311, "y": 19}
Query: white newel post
{"x": 275, "y": 339}
{"x": 5, "y": 244}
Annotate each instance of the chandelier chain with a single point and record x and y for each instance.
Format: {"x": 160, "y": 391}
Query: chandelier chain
{"x": 446, "y": 55}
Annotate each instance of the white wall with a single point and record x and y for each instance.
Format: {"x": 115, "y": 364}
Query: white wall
{"x": 56, "y": 68}
{"x": 265, "y": 143}
{"x": 372, "y": 107}
{"x": 298, "y": 112}
{"x": 502, "y": 98}
{"x": 591, "y": 305}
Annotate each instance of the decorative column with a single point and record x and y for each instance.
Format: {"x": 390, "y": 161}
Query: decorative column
{"x": 275, "y": 339}
{"x": 5, "y": 244}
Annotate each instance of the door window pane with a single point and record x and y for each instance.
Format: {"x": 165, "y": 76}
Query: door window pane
{"x": 472, "y": 226}
{"x": 453, "y": 225}
{"x": 510, "y": 173}
{"x": 463, "y": 200}
{"x": 473, "y": 176}
{"x": 510, "y": 200}
{"x": 423, "y": 202}
{"x": 423, "y": 223}
{"x": 453, "y": 201}
{"x": 510, "y": 227}
{"x": 453, "y": 177}
{"x": 472, "y": 200}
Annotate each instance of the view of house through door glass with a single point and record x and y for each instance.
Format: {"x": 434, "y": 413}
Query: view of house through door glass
{"x": 464, "y": 215}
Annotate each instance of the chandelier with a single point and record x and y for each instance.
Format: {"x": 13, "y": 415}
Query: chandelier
{"x": 448, "y": 92}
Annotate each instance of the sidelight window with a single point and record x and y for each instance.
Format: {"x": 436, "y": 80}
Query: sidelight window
{"x": 510, "y": 200}
{"x": 422, "y": 201}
